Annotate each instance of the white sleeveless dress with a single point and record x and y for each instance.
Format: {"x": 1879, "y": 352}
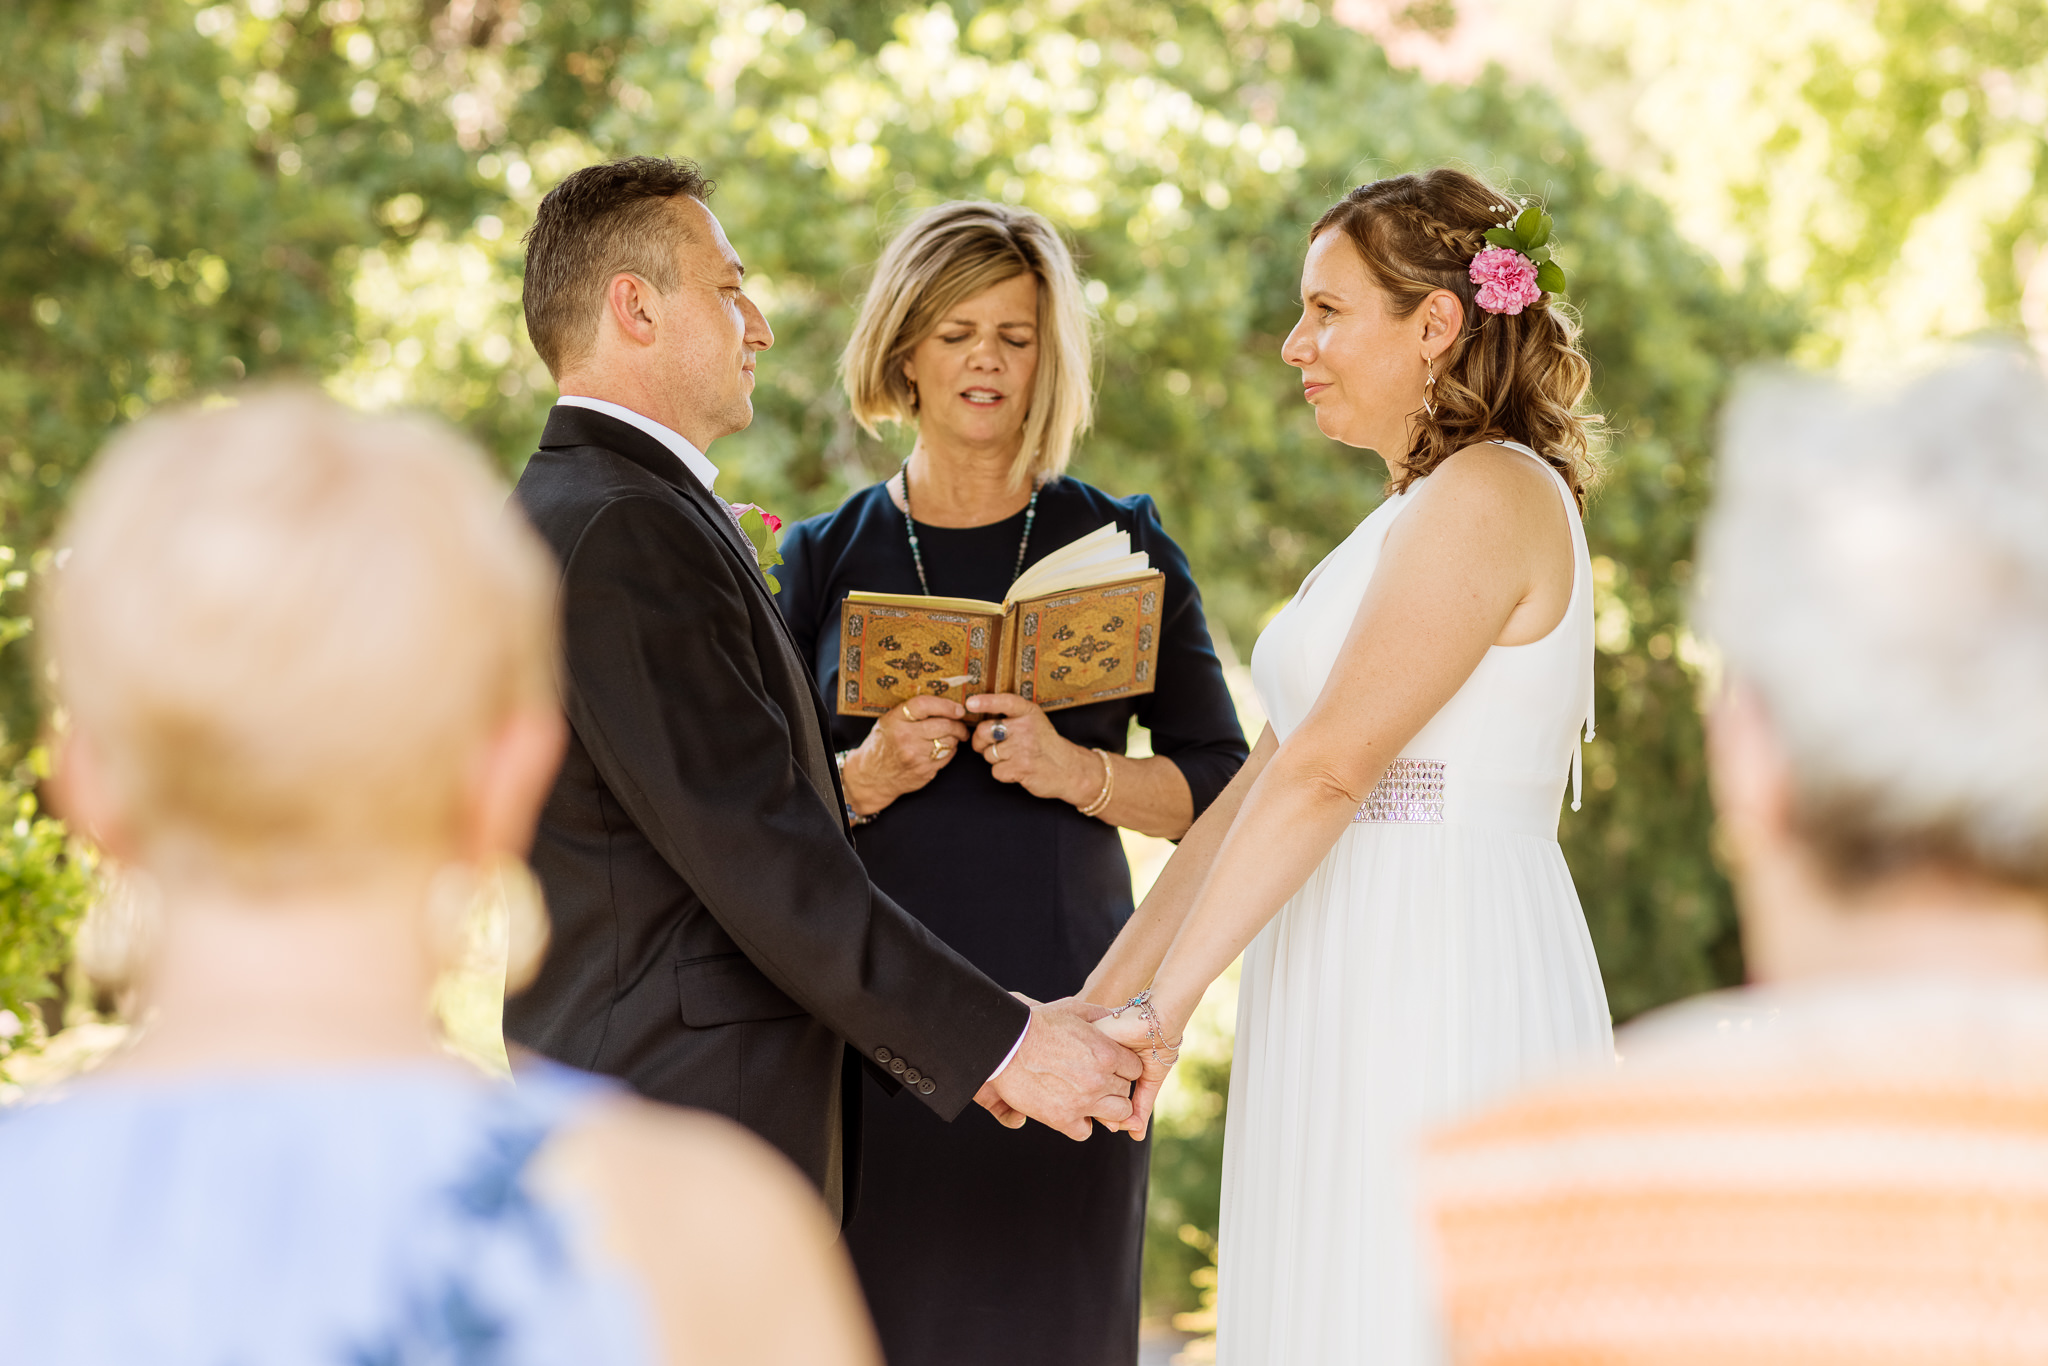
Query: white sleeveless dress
{"x": 1435, "y": 959}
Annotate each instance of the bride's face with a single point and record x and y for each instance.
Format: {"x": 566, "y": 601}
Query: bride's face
{"x": 1361, "y": 367}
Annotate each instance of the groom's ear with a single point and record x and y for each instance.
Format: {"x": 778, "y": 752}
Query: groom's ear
{"x": 633, "y": 307}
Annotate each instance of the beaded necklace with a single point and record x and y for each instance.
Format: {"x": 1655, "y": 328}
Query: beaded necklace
{"x": 917, "y": 556}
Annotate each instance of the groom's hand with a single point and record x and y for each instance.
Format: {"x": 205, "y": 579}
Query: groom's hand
{"x": 1065, "y": 1073}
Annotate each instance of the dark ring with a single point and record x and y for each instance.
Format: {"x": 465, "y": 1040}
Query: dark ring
{"x": 1000, "y": 733}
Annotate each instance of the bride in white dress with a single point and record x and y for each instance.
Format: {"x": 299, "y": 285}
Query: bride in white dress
{"x": 1387, "y": 861}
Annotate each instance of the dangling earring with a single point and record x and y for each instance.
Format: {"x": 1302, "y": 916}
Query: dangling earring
{"x": 1429, "y": 386}
{"x": 478, "y": 918}
{"x": 119, "y": 934}
{"x": 915, "y": 405}
{"x": 527, "y": 928}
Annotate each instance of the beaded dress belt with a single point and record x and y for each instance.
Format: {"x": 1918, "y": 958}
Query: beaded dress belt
{"x": 1412, "y": 791}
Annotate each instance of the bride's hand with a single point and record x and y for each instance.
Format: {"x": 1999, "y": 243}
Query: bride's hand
{"x": 1131, "y": 1030}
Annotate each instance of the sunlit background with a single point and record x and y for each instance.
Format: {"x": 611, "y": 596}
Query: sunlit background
{"x": 194, "y": 195}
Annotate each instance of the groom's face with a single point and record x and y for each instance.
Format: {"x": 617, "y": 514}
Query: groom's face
{"x": 712, "y": 332}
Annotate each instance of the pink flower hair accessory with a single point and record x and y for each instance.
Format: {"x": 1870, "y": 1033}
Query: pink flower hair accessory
{"x": 1516, "y": 269}
{"x": 1506, "y": 280}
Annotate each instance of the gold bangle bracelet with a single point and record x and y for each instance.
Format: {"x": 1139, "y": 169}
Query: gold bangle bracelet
{"x": 1095, "y": 807}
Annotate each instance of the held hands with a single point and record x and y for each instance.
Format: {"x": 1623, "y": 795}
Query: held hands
{"x": 1030, "y": 752}
{"x": 1131, "y": 1030}
{"x": 1066, "y": 1073}
{"x": 905, "y": 750}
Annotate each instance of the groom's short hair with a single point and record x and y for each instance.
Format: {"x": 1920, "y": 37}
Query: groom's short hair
{"x": 601, "y": 222}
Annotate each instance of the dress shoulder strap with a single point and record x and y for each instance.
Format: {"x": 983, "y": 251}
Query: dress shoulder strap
{"x": 1578, "y": 534}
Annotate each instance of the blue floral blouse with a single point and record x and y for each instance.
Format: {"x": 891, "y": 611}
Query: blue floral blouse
{"x": 380, "y": 1216}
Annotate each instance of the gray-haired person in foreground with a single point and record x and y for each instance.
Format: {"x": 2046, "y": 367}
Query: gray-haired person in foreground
{"x": 1844, "y": 1162}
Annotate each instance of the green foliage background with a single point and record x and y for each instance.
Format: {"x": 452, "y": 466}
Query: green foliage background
{"x": 197, "y": 194}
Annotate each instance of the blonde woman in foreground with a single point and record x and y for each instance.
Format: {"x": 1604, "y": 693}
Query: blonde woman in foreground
{"x": 306, "y": 662}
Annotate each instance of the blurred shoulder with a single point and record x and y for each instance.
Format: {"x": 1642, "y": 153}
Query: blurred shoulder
{"x": 670, "y": 1164}
{"x": 738, "y": 1257}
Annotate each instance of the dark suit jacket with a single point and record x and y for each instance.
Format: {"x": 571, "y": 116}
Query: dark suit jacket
{"x": 715, "y": 936}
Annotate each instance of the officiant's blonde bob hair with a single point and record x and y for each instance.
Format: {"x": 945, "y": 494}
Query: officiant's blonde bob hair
{"x": 287, "y": 633}
{"x": 946, "y": 256}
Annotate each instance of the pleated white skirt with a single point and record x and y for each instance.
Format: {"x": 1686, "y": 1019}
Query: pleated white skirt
{"x": 1422, "y": 970}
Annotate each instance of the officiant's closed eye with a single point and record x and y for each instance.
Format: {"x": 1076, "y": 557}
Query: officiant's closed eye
{"x": 990, "y": 817}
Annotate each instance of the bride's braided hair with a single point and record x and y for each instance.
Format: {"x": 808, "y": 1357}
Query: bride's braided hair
{"x": 1519, "y": 376}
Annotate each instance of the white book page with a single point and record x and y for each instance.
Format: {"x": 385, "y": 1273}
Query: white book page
{"x": 1100, "y": 556}
{"x": 1086, "y": 576}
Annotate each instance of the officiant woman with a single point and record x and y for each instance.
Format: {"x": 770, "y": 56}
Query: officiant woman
{"x": 997, "y": 824}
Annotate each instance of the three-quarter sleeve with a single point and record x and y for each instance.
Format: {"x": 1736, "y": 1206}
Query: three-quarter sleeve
{"x": 1190, "y": 714}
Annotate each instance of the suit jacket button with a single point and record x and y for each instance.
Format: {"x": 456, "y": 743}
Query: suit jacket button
{"x": 897, "y": 1066}
{"x": 913, "y": 1077}
{"x": 925, "y": 1087}
{"x": 883, "y": 1055}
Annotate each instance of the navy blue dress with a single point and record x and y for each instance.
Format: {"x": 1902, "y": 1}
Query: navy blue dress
{"x": 976, "y": 1243}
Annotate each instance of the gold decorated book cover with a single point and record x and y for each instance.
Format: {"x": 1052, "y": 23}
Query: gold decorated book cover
{"x": 1086, "y": 646}
{"x": 1063, "y": 650}
{"x": 892, "y": 649}
{"x": 1080, "y": 626}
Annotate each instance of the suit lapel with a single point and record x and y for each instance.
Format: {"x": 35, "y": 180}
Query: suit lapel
{"x": 570, "y": 426}
{"x": 720, "y": 514}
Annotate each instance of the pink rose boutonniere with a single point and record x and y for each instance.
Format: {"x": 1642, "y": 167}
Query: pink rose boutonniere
{"x": 760, "y": 526}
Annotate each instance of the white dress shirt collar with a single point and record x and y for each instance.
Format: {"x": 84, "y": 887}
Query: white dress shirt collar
{"x": 693, "y": 459}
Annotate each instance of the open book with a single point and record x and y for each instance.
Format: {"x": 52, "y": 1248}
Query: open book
{"x": 1081, "y": 625}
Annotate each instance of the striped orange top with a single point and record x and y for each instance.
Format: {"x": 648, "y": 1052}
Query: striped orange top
{"x": 1848, "y": 1173}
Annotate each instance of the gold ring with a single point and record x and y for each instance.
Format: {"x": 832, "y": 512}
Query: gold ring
{"x": 994, "y": 757}
{"x": 906, "y": 712}
{"x": 939, "y": 750}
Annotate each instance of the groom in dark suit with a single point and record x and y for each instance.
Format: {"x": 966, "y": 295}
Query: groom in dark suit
{"x": 716, "y": 940}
